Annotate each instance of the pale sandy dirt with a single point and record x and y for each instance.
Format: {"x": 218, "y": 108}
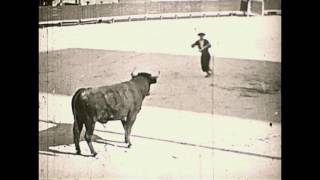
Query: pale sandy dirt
{"x": 167, "y": 144}
{"x": 257, "y": 38}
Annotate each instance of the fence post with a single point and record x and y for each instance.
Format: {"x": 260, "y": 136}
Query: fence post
{"x": 263, "y": 8}
{"x": 249, "y": 8}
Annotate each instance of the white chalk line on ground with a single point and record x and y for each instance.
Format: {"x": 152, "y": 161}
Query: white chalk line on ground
{"x": 181, "y": 143}
{"x": 230, "y": 134}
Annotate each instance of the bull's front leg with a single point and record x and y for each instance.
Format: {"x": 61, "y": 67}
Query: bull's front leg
{"x": 127, "y": 127}
{"x": 124, "y": 124}
{"x": 88, "y": 137}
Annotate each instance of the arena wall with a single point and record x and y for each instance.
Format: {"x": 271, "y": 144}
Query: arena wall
{"x": 272, "y": 4}
{"x": 47, "y": 13}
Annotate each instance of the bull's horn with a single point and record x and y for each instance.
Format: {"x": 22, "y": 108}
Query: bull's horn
{"x": 156, "y": 76}
{"x": 134, "y": 72}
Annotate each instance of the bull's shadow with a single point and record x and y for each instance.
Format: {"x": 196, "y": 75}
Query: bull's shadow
{"x": 62, "y": 134}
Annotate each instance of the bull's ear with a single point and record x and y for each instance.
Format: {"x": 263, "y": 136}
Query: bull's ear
{"x": 153, "y": 79}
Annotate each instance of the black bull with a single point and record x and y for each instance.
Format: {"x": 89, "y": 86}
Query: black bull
{"x": 121, "y": 101}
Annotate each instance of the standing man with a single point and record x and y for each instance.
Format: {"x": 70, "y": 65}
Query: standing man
{"x": 204, "y": 46}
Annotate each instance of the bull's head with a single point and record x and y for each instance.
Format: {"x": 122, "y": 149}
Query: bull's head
{"x": 152, "y": 78}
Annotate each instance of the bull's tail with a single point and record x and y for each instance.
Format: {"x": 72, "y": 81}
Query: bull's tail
{"x": 74, "y": 100}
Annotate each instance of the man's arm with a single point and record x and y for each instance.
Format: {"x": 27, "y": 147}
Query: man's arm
{"x": 207, "y": 46}
{"x": 194, "y": 44}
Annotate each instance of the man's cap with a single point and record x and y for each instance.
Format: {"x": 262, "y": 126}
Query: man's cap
{"x": 201, "y": 34}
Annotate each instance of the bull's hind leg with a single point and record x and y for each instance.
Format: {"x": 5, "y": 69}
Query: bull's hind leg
{"x": 77, "y": 128}
{"x": 88, "y": 136}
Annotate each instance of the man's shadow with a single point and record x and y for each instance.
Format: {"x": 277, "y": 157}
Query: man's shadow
{"x": 62, "y": 134}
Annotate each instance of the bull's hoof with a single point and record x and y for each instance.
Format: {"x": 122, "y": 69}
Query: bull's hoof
{"x": 78, "y": 152}
{"x": 94, "y": 154}
{"x": 129, "y": 145}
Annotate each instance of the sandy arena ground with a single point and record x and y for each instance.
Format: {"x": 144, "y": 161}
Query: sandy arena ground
{"x": 190, "y": 127}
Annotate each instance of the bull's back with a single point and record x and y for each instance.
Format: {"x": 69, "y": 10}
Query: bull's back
{"x": 112, "y": 102}
{"x": 123, "y": 97}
